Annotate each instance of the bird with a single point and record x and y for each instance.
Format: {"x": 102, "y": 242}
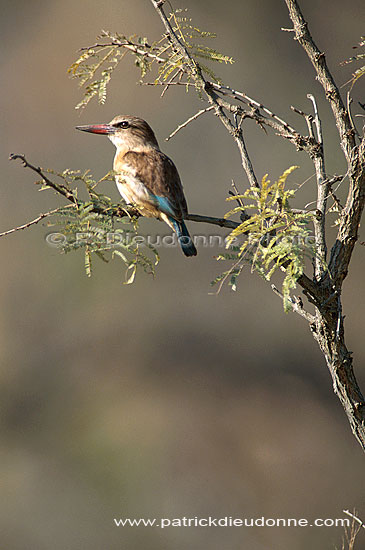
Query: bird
{"x": 145, "y": 176}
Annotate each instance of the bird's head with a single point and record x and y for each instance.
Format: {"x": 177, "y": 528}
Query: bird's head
{"x": 127, "y": 132}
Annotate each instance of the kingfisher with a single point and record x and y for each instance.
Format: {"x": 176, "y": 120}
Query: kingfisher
{"x": 145, "y": 176}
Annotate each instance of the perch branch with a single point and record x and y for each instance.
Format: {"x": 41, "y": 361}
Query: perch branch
{"x": 222, "y": 222}
{"x": 118, "y": 212}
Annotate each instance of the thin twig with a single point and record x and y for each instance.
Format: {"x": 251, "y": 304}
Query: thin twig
{"x": 243, "y": 216}
{"x": 308, "y": 118}
{"x": 158, "y": 83}
{"x": 236, "y": 193}
{"x": 322, "y": 194}
{"x": 184, "y": 124}
{"x": 349, "y": 101}
{"x": 358, "y": 520}
{"x": 59, "y": 187}
{"x": 281, "y": 128}
{"x": 168, "y": 84}
{"x": 317, "y": 120}
{"x": 296, "y": 305}
{"x": 135, "y": 48}
{"x": 336, "y": 201}
{"x": 331, "y": 192}
{"x": 36, "y": 220}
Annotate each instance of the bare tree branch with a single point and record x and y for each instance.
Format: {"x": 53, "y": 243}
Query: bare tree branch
{"x": 308, "y": 118}
{"x": 35, "y": 221}
{"x": 252, "y": 103}
{"x": 318, "y": 60}
{"x": 322, "y": 194}
{"x": 296, "y": 305}
{"x": 184, "y": 124}
{"x": 59, "y": 187}
{"x": 350, "y": 218}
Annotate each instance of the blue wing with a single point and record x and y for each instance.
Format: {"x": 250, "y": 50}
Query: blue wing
{"x": 164, "y": 204}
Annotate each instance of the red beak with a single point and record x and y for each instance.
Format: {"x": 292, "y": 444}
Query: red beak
{"x": 103, "y": 129}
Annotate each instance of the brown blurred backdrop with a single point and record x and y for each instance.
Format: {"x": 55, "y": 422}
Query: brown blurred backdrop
{"x": 159, "y": 399}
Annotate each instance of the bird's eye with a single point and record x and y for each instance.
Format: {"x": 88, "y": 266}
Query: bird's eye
{"x": 123, "y": 124}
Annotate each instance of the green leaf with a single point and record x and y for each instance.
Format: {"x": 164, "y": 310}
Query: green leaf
{"x": 130, "y": 274}
{"x": 275, "y": 238}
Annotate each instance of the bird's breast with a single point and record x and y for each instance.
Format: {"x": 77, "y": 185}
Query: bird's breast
{"x": 135, "y": 192}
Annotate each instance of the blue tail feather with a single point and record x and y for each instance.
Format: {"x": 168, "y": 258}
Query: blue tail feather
{"x": 187, "y": 245}
{"x": 184, "y": 238}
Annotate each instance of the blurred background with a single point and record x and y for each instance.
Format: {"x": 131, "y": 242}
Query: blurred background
{"x": 160, "y": 399}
